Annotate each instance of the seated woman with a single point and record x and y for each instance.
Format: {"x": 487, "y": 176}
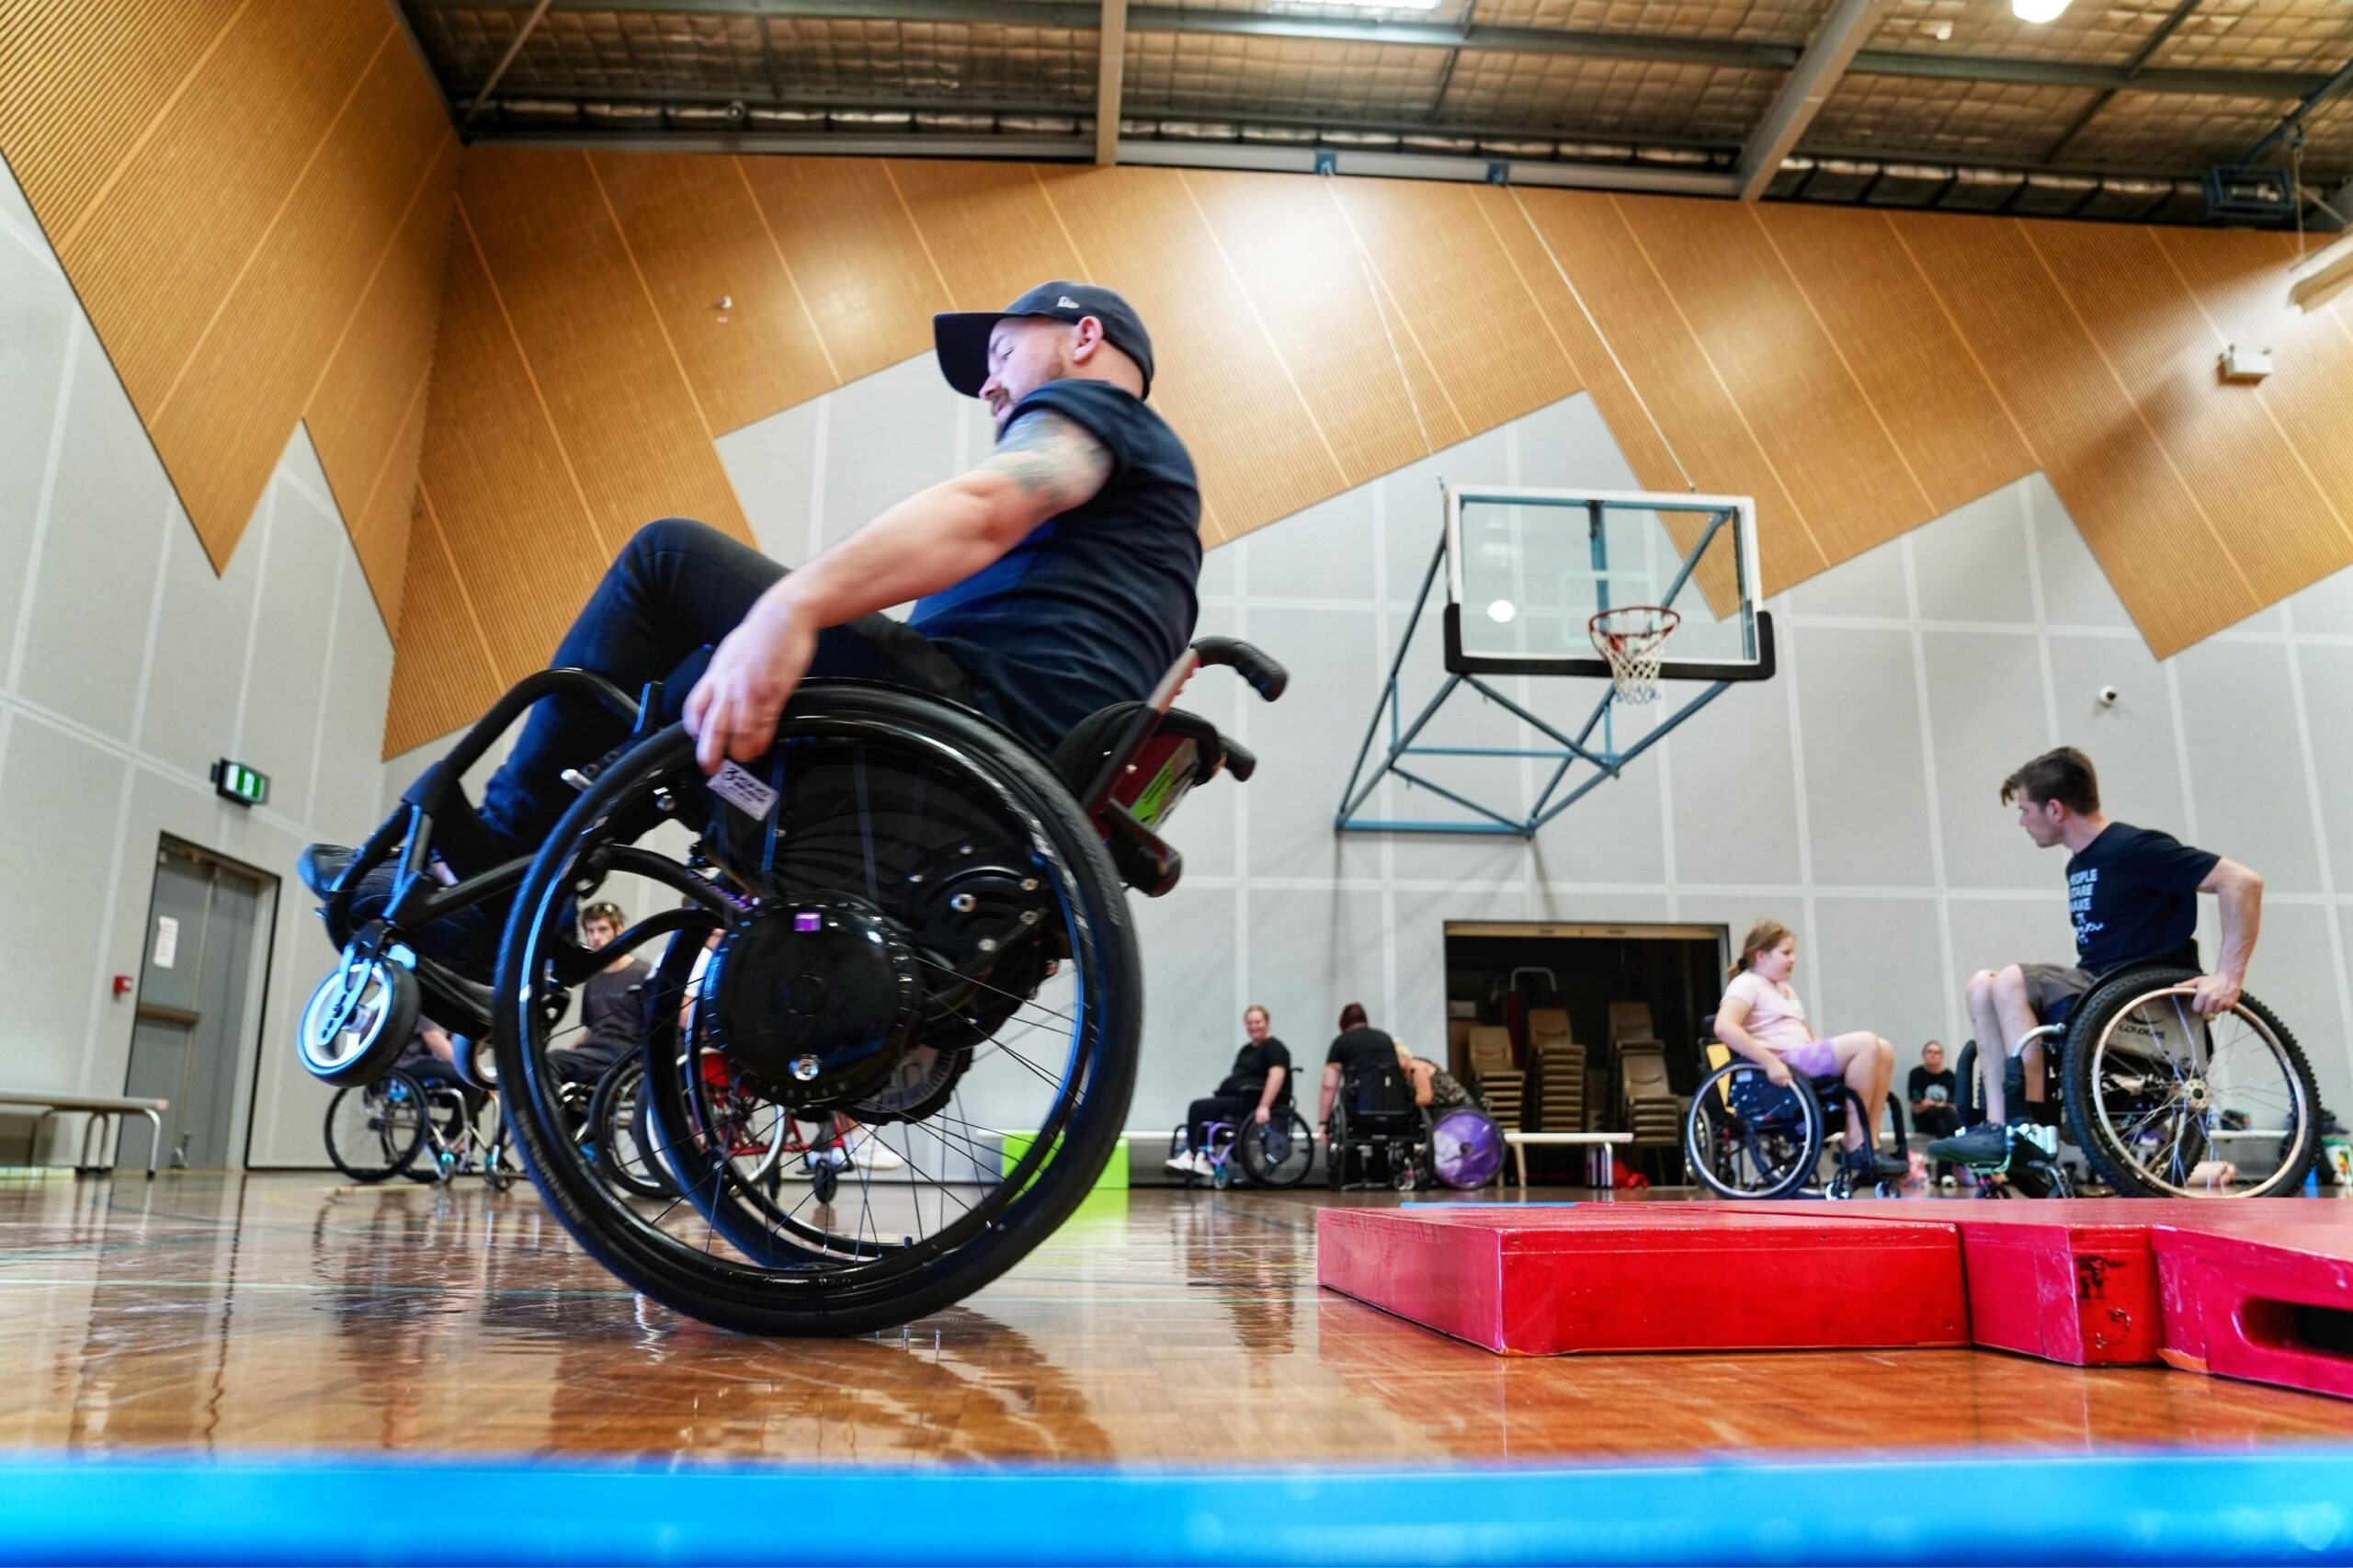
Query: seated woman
{"x": 1259, "y": 1086}
{"x": 1761, "y": 1017}
{"x": 1359, "y": 1049}
{"x": 1434, "y": 1088}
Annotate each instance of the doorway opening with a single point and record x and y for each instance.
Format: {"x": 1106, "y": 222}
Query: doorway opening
{"x": 203, "y": 973}
{"x": 1584, "y": 1026}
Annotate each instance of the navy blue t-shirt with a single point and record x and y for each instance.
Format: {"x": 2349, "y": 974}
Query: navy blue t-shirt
{"x": 1095, "y": 604}
{"x": 2133, "y": 894}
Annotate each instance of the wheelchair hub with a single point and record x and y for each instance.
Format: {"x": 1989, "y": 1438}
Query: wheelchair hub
{"x": 813, "y": 1002}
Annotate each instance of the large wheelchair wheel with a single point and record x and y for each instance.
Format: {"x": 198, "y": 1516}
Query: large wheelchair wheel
{"x": 2167, "y": 1104}
{"x": 1745, "y": 1138}
{"x": 374, "y": 1131}
{"x": 916, "y": 929}
{"x": 617, "y": 1116}
{"x": 1279, "y": 1153}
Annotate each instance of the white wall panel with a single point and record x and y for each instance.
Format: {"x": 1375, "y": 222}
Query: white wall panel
{"x": 1986, "y": 714}
{"x": 1971, "y": 563}
{"x": 1866, "y": 787}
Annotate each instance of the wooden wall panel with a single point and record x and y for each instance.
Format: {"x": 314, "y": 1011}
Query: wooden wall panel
{"x": 1789, "y": 379}
{"x": 1856, "y": 371}
{"x": 847, "y": 239}
{"x": 512, "y": 516}
{"x": 1597, "y": 247}
{"x": 697, "y": 238}
{"x": 2133, "y": 509}
{"x": 387, "y": 510}
{"x": 221, "y": 169}
{"x": 85, "y": 79}
{"x": 600, "y": 364}
{"x": 1955, "y": 438}
{"x": 2163, "y": 347}
{"x": 446, "y": 661}
{"x": 249, "y": 195}
{"x": 1220, "y": 383}
{"x": 222, "y": 419}
{"x": 1311, "y": 289}
{"x": 2235, "y": 279}
{"x": 991, "y": 229}
{"x": 1489, "y": 349}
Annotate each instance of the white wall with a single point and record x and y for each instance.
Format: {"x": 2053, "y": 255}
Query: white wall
{"x": 126, "y": 668}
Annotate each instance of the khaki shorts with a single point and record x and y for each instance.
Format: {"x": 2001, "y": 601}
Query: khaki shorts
{"x": 2049, "y": 984}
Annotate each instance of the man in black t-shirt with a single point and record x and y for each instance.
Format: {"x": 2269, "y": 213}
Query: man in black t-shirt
{"x": 2133, "y": 892}
{"x": 612, "y": 1003}
{"x": 1055, "y": 578}
{"x": 1929, "y": 1090}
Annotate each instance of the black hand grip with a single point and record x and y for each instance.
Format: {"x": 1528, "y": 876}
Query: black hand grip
{"x": 1240, "y": 761}
{"x": 1268, "y": 678}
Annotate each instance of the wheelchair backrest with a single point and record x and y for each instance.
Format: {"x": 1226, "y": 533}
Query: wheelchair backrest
{"x": 1380, "y": 1094}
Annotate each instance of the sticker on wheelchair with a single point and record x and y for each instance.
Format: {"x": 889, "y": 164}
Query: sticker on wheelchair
{"x": 740, "y": 789}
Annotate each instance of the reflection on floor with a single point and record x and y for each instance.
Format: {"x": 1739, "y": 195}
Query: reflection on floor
{"x": 286, "y": 1314}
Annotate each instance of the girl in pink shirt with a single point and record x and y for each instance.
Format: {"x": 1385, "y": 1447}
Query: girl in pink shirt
{"x": 1761, "y": 1017}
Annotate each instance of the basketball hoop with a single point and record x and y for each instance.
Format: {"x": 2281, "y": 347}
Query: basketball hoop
{"x": 1633, "y": 639}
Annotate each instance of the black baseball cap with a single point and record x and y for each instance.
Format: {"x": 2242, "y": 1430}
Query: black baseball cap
{"x": 962, "y": 337}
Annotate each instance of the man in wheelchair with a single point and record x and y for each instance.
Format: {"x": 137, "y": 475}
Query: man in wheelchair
{"x": 1053, "y": 581}
{"x": 2132, "y": 894}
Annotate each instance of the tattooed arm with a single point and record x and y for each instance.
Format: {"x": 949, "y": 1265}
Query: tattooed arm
{"x": 1045, "y": 465}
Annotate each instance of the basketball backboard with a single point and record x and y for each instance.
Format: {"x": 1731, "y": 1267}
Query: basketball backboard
{"x": 1527, "y": 570}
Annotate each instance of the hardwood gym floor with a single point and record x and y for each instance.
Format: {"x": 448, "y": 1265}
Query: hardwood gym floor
{"x": 290, "y": 1315}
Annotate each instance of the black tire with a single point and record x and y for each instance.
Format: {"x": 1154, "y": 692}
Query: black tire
{"x": 358, "y": 1020}
{"x": 2118, "y": 1105}
{"x": 788, "y": 1277}
{"x": 1282, "y": 1167}
{"x": 374, "y": 1131}
{"x": 1968, "y": 1092}
{"x": 1732, "y": 1158}
{"x": 616, "y": 1113}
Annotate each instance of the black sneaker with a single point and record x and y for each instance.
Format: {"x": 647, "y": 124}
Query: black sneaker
{"x": 320, "y": 864}
{"x": 1985, "y": 1147}
{"x": 1866, "y": 1166}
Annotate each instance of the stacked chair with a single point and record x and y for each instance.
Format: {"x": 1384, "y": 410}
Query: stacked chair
{"x": 1496, "y": 1075}
{"x": 1557, "y": 1066}
{"x": 1649, "y": 1107}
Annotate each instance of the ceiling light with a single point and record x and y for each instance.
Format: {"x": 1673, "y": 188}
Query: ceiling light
{"x": 2038, "y": 11}
{"x": 1501, "y": 613}
{"x": 1369, "y": 4}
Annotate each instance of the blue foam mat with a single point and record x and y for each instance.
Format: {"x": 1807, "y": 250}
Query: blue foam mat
{"x": 2276, "y": 1506}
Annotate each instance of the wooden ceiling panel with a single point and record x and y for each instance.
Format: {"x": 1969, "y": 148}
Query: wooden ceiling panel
{"x": 1952, "y": 430}
{"x": 2134, "y": 511}
{"x": 639, "y": 445}
{"x": 1792, "y": 382}
{"x": 1312, "y": 287}
{"x": 989, "y": 228}
{"x": 847, "y": 238}
{"x": 697, "y": 238}
{"x": 2258, "y": 499}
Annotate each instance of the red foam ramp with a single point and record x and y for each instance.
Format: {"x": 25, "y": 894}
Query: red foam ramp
{"x": 1649, "y": 1277}
{"x": 2262, "y": 1298}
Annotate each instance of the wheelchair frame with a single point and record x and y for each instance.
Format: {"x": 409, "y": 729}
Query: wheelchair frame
{"x": 1818, "y": 1098}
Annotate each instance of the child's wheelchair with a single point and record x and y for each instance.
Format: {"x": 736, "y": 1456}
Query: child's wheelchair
{"x": 2162, "y": 1103}
{"x": 1746, "y": 1137}
{"x": 922, "y": 926}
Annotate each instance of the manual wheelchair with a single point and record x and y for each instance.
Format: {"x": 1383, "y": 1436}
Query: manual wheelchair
{"x": 922, "y": 926}
{"x": 1746, "y": 1137}
{"x": 2161, "y": 1102}
{"x": 1279, "y": 1155}
{"x": 1378, "y": 1136}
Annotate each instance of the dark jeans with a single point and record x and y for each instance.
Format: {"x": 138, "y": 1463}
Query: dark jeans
{"x": 677, "y": 588}
{"x": 1232, "y": 1110}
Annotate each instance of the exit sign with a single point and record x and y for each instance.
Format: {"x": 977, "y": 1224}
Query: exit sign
{"x": 235, "y": 782}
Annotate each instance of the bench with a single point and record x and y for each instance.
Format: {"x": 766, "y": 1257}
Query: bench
{"x": 102, "y": 1110}
{"x": 1597, "y": 1147}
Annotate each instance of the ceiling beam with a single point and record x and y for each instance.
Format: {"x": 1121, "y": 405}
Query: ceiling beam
{"x": 1834, "y": 47}
{"x": 2132, "y": 67}
{"x": 1113, "y": 56}
{"x": 490, "y": 83}
{"x": 1732, "y": 53}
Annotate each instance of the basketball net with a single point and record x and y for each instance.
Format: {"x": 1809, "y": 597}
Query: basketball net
{"x": 1633, "y": 639}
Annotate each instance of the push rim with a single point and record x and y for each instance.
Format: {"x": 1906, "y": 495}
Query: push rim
{"x": 2166, "y": 1085}
{"x": 1735, "y": 1155}
{"x": 761, "y": 1252}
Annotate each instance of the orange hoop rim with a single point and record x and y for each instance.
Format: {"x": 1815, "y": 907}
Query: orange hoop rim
{"x": 1609, "y": 640}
